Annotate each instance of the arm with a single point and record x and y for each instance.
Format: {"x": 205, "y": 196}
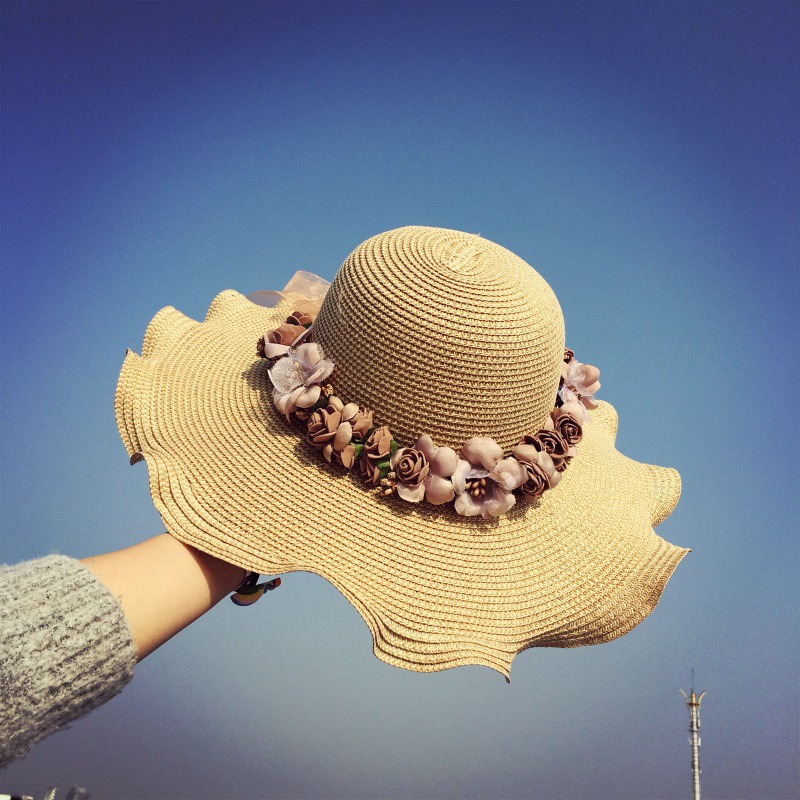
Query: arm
{"x": 162, "y": 586}
{"x": 71, "y": 632}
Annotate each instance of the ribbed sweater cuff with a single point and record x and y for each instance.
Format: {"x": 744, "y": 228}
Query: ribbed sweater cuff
{"x": 65, "y": 648}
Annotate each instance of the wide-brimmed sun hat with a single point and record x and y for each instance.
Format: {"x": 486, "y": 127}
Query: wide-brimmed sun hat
{"x": 427, "y": 445}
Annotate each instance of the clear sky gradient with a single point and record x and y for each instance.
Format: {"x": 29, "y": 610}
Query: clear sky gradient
{"x": 642, "y": 156}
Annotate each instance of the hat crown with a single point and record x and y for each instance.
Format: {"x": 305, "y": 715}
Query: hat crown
{"x": 444, "y": 333}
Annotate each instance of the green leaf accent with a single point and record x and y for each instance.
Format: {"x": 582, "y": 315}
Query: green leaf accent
{"x": 394, "y": 447}
{"x": 358, "y": 449}
{"x": 384, "y": 467}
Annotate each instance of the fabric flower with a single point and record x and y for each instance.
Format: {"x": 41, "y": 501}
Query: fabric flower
{"x": 369, "y": 471}
{"x": 378, "y": 446}
{"x": 567, "y": 425}
{"x": 359, "y": 418}
{"x": 278, "y": 342}
{"x": 508, "y": 473}
{"x": 483, "y": 451}
{"x": 343, "y": 437}
{"x": 296, "y": 377}
{"x": 443, "y": 462}
{"x": 438, "y": 490}
{"x": 411, "y": 469}
{"x": 553, "y": 443}
{"x": 345, "y": 457}
{"x": 342, "y": 449}
{"x": 580, "y": 380}
{"x": 540, "y": 471}
{"x": 299, "y": 318}
{"x": 322, "y": 427}
{"x": 493, "y": 503}
{"x": 572, "y": 405}
{"x": 478, "y": 491}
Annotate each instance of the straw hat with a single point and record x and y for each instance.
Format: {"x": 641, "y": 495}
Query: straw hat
{"x": 440, "y": 333}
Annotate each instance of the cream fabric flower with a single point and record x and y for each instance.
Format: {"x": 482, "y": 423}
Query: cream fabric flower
{"x": 508, "y": 473}
{"x": 297, "y": 376}
{"x": 482, "y": 451}
{"x": 581, "y": 383}
{"x": 494, "y": 503}
{"x": 480, "y": 457}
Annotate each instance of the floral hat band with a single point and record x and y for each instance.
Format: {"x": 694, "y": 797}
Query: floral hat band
{"x": 481, "y": 479}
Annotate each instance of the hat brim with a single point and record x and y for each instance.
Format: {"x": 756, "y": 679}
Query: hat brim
{"x": 230, "y": 476}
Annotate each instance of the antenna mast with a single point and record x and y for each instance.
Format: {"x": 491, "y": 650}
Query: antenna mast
{"x": 693, "y": 704}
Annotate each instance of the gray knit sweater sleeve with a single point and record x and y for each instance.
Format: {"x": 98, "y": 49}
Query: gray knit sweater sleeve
{"x": 65, "y": 648}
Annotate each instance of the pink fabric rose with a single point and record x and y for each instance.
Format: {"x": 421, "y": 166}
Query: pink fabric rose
{"x": 567, "y": 425}
{"x": 322, "y": 427}
{"x": 550, "y": 441}
{"x": 359, "y": 418}
{"x": 378, "y": 446}
{"x": 443, "y": 463}
{"x": 540, "y": 471}
{"x": 411, "y": 469}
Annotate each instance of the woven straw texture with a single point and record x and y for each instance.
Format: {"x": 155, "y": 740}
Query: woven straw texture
{"x": 444, "y": 333}
{"x": 415, "y": 327}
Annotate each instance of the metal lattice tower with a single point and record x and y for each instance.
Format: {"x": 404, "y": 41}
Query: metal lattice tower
{"x": 693, "y": 704}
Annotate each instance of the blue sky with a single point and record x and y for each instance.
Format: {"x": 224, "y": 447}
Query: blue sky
{"x": 642, "y": 156}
